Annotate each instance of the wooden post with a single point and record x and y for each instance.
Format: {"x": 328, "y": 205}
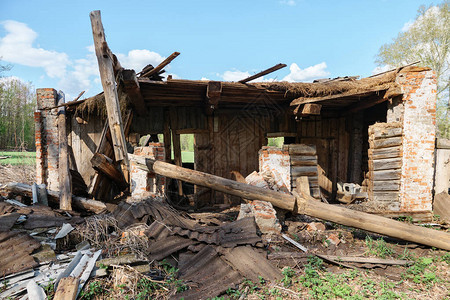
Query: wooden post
{"x": 177, "y": 157}
{"x": 67, "y": 289}
{"x": 105, "y": 64}
{"x": 53, "y": 197}
{"x": 176, "y": 143}
{"x": 302, "y": 204}
{"x": 65, "y": 182}
{"x": 167, "y": 136}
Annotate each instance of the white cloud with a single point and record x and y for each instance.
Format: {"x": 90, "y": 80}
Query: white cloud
{"x": 74, "y": 75}
{"x": 139, "y": 58}
{"x": 17, "y": 47}
{"x": 235, "y": 75}
{"x": 381, "y": 69}
{"x": 407, "y": 25}
{"x": 205, "y": 79}
{"x": 288, "y": 2}
{"x": 307, "y": 74}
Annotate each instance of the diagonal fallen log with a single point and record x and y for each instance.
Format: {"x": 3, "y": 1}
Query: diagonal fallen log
{"x": 78, "y": 202}
{"x": 302, "y": 204}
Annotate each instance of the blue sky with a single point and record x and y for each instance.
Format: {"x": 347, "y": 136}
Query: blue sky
{"x": 49, "y": 43}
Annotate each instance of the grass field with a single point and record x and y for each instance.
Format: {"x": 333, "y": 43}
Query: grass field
{"x": 29, "y": 158}
{"x": 18, "y": 158}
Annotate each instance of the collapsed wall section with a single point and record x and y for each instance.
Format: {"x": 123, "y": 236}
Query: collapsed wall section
{"x": 145, "y": 183}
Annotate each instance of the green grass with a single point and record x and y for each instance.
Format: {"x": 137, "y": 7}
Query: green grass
{"x": 18, "y": 158}
{"x": 186, "y": 156}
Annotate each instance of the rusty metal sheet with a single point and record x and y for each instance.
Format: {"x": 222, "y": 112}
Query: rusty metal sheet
{"x": 206, "y": 274}
{"x": 240, "y": 232}
{"x": 165, "y": 247}
{"x": 15, "y": 249}
{"x": 251, "y": 264}
{"x": 8, "y": 220}
{"x": 127, "y": 214}
{"x": 44, "y": 221}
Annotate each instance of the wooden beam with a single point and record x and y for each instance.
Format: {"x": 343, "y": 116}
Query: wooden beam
{"x": 177, "y": 157}
{"x": 53, "y": 197}
{"x": 167, "y": 136}
{"x": 304, "y": 100}
{"x": 213, "y": 93}
{"x": 133, "y": 90}
{"x": 302, "y": 205}
{"x": 161, "y": 65}
{"x": 106, "y": 69}
{"x": 308, "y": 109}
{"x": 65, "y": 182}
{"x": 70, "y": 103}
{"x": 104, "y": 164}
{"x": 67, "y": 289}
{"x": 262, "y": 73}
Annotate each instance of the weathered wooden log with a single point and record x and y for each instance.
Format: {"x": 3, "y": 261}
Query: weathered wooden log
{"x": 382, "y": 133}
{"x": 385, "y": 164}
{"x": 300, "y": 149}
{"x": 303, "y": 160}
{"x": 217, "y": 183}
{"x": 387, "y": 142}
{"x": 305, "y": 205}
{"x": 382, "y": 153}
{"x": 105, "y": 64}
{"x": 65, "y": 185}
{"x": 104, "y": 164}
{"x": 78, "y": 202}
{"x": 385, "y": 175}
{"x": 304, "y": 171}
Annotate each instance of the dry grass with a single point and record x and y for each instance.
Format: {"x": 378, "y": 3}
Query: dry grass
{"x": 17, "y": 173}
{"x": 310, "y": 90}
{"x": 102, "y": 232}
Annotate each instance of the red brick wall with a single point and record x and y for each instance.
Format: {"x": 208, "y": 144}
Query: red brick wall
{"x": 277, "y": 162}
{"x": 419, "y": 132}
{"x": 148, "y": 183}
{"x": 47, "y": 152}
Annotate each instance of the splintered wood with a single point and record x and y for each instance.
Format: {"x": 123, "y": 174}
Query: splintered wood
{"x": 385, "y": 163}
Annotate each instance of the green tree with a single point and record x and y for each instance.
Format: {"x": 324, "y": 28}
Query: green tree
{"x": 16, "y": 114}
{"x": 427, "y": 40}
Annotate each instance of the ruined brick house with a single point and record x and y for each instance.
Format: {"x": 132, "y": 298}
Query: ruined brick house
{"x": 378, "y": 132}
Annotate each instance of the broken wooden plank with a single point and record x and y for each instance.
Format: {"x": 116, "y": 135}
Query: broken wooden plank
{"x": 104, "y": 164}
{"x": 65, "y": 182}
{"x": 133, "y": 90}
{"x": 106, "y": 69}
{"x": 441, "y": 206}
{"x": 369, "y": 260}
{"x": 78, "y": 202}
{"x": 298, "y": 245}
{"x": 67, "y": 289}
{"x": 303, "y": 185}
{"x": 262, "y": 73}
{"x": 161, "y": 65}
{"x": 304, "y": 205}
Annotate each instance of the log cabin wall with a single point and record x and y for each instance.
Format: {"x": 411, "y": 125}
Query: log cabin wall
{"x": 331, "y": 136}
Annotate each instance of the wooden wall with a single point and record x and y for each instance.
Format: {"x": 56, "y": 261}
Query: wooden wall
{"x": 83, "y": 139}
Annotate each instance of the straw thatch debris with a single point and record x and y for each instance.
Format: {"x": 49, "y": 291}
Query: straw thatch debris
{"x": 96, "y": 106}
{"x": 310, "y": 90}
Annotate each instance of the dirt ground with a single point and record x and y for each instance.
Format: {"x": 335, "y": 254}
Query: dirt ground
{"x": 17, "y": 173}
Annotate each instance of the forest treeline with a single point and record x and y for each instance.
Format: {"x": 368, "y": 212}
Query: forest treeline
{"x": 17, "y": 106}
